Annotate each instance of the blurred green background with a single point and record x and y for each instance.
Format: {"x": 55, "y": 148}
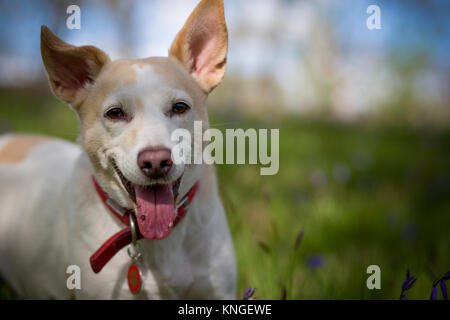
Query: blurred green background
{"x": 364, "y": 133}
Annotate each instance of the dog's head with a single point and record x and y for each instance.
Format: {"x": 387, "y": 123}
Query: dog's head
{"x": 128, "y": 110}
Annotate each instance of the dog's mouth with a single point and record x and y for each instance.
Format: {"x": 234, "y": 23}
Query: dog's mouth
{"x": 155, "y": 205}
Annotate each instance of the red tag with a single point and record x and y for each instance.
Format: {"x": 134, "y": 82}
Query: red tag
{"x": 134, "y": 278}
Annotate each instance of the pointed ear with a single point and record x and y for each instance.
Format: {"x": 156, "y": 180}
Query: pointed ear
{"x": 70, "y": 69}
{"x": 201, "y": 46}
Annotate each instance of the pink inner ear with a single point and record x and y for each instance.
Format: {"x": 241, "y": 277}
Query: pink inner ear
{"x": 205, "y": 53}
{"x": 205, "y": 46}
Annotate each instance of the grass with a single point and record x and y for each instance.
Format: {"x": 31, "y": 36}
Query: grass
{"x": 363, "y": 194}
{"x": 393, "y": 211}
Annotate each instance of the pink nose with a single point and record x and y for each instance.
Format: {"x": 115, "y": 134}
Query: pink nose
{"x": 155, "y": 162}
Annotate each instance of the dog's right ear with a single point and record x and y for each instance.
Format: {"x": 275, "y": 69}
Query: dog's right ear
{"x": 70, "y": 69}
{"x": 201, "y": 46}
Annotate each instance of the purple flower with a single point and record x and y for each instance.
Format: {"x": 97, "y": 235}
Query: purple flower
{"x": 315, "y": 261}
{"x": 446, "y": 276}
{"x": 443, "y": 289}
{"x": 249, "y": 293}
{"x": 441, "y": 283}
{"x": 407, "y": 284}
{"x": 433, "y": 294}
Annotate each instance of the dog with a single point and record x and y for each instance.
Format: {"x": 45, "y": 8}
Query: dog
{"x": 93, "y": 209}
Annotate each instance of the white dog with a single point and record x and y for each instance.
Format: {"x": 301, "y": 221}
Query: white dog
{"x": 61, "y": 202}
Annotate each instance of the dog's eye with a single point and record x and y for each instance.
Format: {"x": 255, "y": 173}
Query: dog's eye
{"x": 116, "y": 113}
{"x": 180, "y": 108}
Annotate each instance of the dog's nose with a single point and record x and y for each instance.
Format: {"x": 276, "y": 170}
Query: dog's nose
{"x": 155, "y": 162}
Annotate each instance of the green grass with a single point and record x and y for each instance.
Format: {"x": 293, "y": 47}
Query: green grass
{"x": 392, "y": 212}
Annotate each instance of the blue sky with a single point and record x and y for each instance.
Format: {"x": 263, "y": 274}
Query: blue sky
{"x": 155, "y": 24}
{"x": 265, "y": 38}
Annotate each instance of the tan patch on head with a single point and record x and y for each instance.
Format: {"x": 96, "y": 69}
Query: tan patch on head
{"x": 17, "y": 148}
{"x": 175, "y": 75}
{"x": 115, "y": 75}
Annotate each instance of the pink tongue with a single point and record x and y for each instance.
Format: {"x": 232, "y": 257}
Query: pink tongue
{"x": 155, "y": 211}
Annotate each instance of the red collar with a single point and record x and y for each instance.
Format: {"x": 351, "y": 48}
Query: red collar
{"x": 123, "y": 238}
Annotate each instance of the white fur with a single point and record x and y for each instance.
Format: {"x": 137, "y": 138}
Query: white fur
{"x": 51, "y": 216}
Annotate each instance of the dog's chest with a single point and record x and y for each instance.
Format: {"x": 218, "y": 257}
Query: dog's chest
{"x": 163, "y": 274}
{"x": 167, "y": 268}
{"x": 166, "y": 265}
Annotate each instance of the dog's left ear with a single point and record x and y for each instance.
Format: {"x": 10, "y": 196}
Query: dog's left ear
{"x": 70, "y": 69}
{"x": 201, "y": 46}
